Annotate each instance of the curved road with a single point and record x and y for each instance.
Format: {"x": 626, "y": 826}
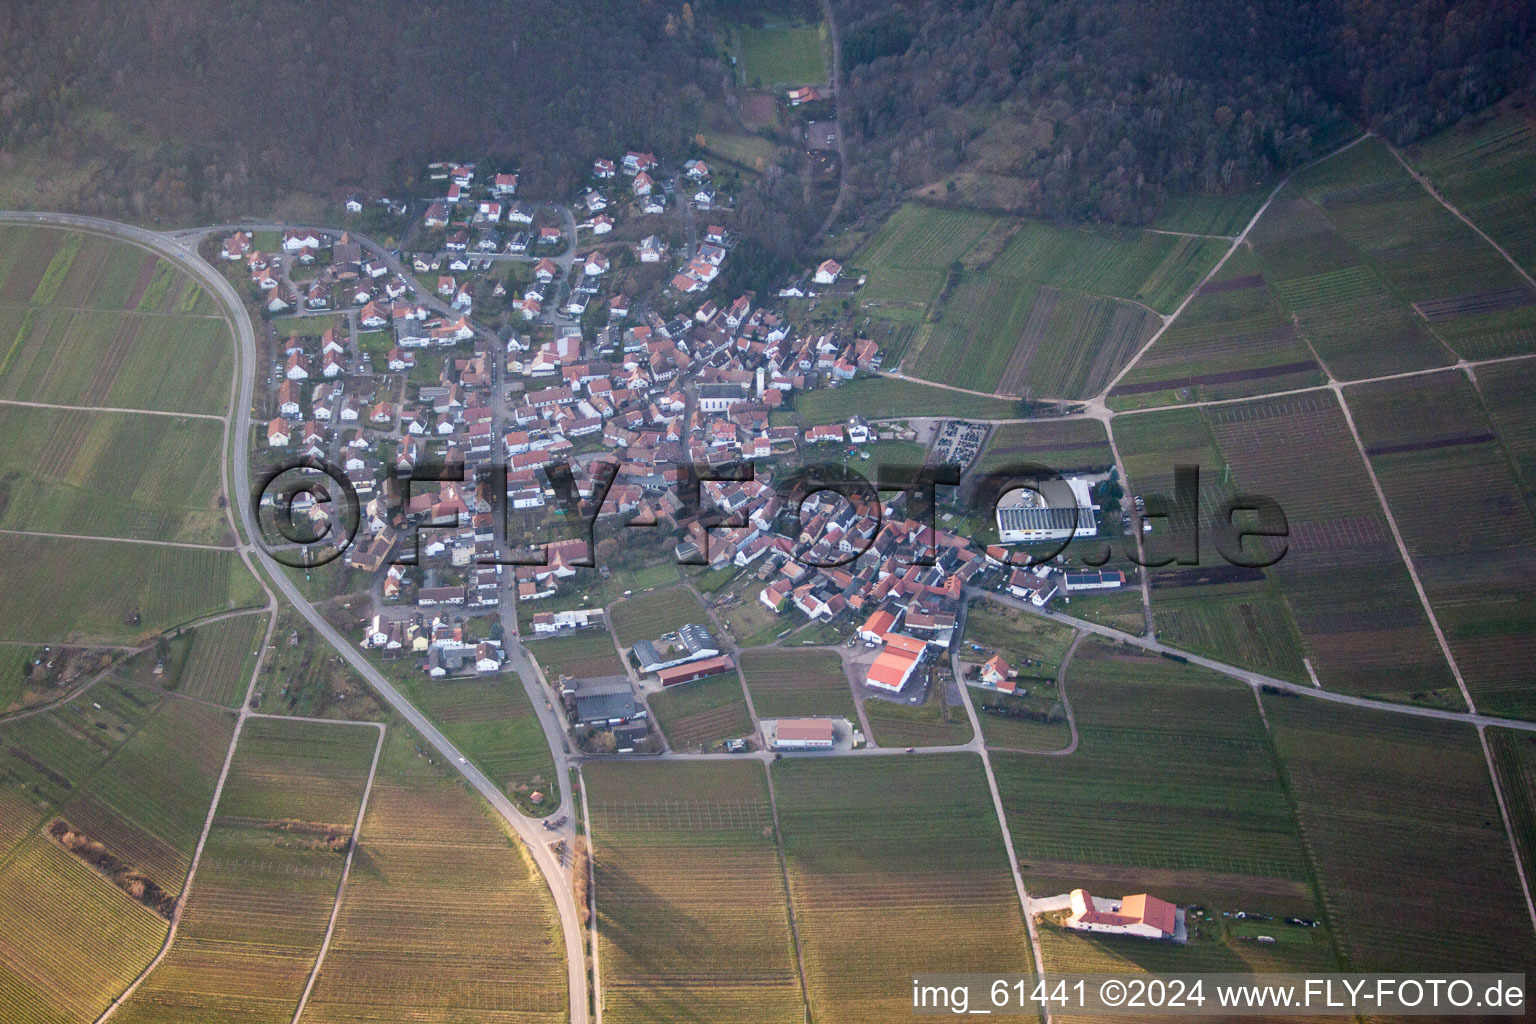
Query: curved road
{"x": 531, "y": 830}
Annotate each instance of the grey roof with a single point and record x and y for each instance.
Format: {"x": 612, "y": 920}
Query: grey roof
{"x": 606, "y": 697}
{"x": 1020, "y": 518}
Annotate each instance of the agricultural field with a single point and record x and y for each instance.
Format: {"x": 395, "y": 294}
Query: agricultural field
{"x": 52, "y": 266}
{"x": 115, "y": 360}
{"x": 691, "y": 903}
{"x": 1012, "y": 336}
{"x": 1233, "y": 340}
{"x": 48, "y": 758}
{"x": 702, "y": 714}
{"x": 883, "y": 398}
{"x": 1514, "y": 758}
{"x": 1340, "y": 596}
{"x": 149, "y": 808}
{"x": 933, "y": 723}
{"x": 112, "y": 474}
{"x": 1147, "y": 267}
{"x": 14, "y": 663}
{"x": 908, "y": 259}
{"x": 223, "y": 656}
{"x": 1476, "y": 553}
{"x": 894, "y": 861}
{"x": 1486, "y": 166}
{"x": 1381, "y": 277}
{"x": 582, "y": 656}
{"x": 648, "y": 616}
{"x": 1027, "y": 308}
{"x": 789, "y": 684}
{"x": 72, "y": 940}
{"x": 266, "y": 885}
{"x": 75, "y": 936}
{"x": 1505, "y": 389}
{"x": 1173, "y": 790}
{"x": 1220, "y": 215}
{"x": 1365, "y": 799}
{"x": 112, "y": 592}
{"x": 443, "y": 911}
{"x": 493, "y": 722}
{"x": 1035, "y": 647}
{"x": 1062, "y": 445}
{"x": 780, "y": 55}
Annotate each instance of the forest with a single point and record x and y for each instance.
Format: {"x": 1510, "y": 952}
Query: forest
{"x": 1090, "y": 110}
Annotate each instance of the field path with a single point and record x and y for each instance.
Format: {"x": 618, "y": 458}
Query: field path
{"x": 837, "y": 119}
{"x": 110, "y": 408}
{"x": 121, "y": 540}
{"x": 1241, "y": 237}
{"x": 213, "y": 807}
{"x": 1430, "y": 188}
{"x": 980, "y": 747}
{"x": 346, "y": 868}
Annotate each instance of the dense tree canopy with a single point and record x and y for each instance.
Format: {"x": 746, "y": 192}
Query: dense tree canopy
{"x": 1092, "y": 109}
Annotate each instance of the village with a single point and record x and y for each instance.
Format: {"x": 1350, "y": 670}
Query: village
{"x": 383, "y": 364}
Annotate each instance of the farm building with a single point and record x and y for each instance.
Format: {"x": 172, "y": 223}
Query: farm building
{"x": 606, "y": 700}
{"x": 1059, "y": 510}
{"x": 803, "y": 734}
{"x": 895, "y": 664}
{"x": 1089, "y": 579}
{"x": 692, "y": 670}
{"x": 1141, "y": 915}
{"x": 692, "y": 643}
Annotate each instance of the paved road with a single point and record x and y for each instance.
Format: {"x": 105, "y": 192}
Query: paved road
{"x": 531, "y": 831}
{"x": 1258, "y": 678}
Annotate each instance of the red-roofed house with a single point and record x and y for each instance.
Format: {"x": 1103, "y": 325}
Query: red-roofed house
{"x": 1140, "y": 915}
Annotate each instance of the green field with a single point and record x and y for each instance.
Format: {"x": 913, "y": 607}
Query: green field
{"x": 1209, "y": 214}
{"x": 47, "y": 758}
{"x": 1031, "y": 308}
{"x": 1476, "y": 555}
{"x": 443, "y": 911}
{"x": 703, "y": 713}
{"x": 1173, "y": 789}
{"x": 1486, "y": 166}
{"x": 1062, "y": 445}
{"x": 74, "y": 938}
{"x": 1505, "y": 389}
{"x": 268, "y": 879}
{"x": 493, "y": 722}
{"x": 879, "y": 398}
{"x": 218, "y": 668}
{"x": 118, "y": 360}
{"x": 112, "y": 474}
{"x": 932, "y": 723}
{"x": 1381, "y": 277}
{"x": 894, "y": 862}
{"x": 1373, "y": 790}
{"x": 1340, "y": 595}
{"x": 114, "y": 592}
{"x": 1034, "y": 647}
{"x": 648, "y": 616}
{"x": 1514, "y": 758}
{"x": 1233, "y": 340}
{"x": 780, "y": 56}
{"x": 788, "y": 683}
{"x": 588, "y": 653}
{"x": 149, "y": 807}
{"x": 53, "y": 266}
{"x": 693, "y": 919}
